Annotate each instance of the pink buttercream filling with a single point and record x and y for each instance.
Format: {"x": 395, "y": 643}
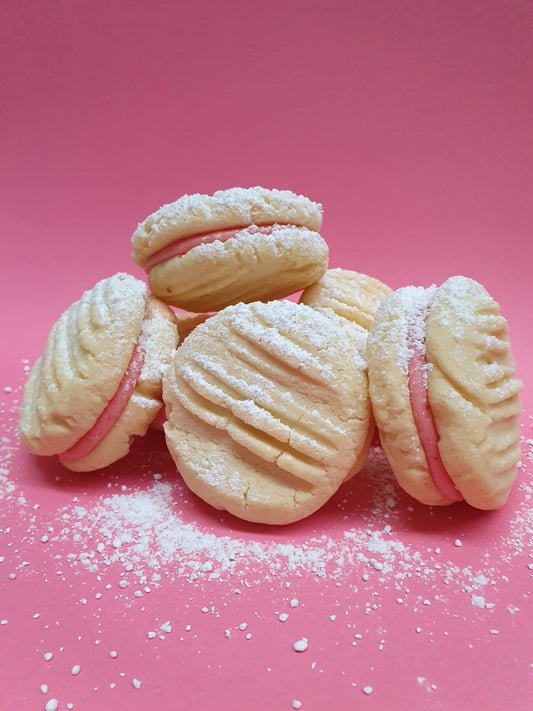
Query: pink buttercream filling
{"x": 423, "y": 416}
{"x": 113, "y": 410}
{"x": 183, "y": 245}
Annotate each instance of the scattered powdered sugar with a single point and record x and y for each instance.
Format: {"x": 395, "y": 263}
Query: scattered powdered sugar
{"x": 7, "y": 487}
{"x": 149, "y": 534}
{"x": 143, "y": 534}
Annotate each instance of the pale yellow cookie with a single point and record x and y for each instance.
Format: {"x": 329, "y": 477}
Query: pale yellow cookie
{"x": 349, "y": 294}
{"x": 450, "y": 432}
{"x": 187, "y": 322}
{"x": 205, "y": 252}
{"x": 268, "y": 410}
{"x": 99, "y": 379}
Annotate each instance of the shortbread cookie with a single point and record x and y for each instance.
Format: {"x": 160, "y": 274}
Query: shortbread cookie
{"x": 187, "y": 322}
{"x": 205, "y": 252}
{"x": 444, "y": 393}
{"x": 349, "y": 294}
{"x": 99, "y": 380}
{"x": 268, "y": 410}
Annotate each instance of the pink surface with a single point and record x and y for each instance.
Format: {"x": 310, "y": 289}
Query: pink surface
{"x": 411, "y": 123}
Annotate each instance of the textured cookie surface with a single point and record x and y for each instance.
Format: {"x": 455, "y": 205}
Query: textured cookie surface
{"x": 87, "y": 351}
{"x": 248, "y": 268}
{"x": 225, "y": 209}
{"x": 472, "y": 390}
{"x": 350, "y": 294}
{"x": 158, "y": 338}
{"x": 85, "y": 358}
{"x": 268, "y": 410}
{"x": 275, "y": 250}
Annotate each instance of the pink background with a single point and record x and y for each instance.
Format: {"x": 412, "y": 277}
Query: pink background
{"x": 410, "y": 121}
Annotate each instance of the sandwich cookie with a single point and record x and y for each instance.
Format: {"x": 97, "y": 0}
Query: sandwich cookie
{"x": 444, "y": 393}
{"x": 268, "y": 410}
{"x": 205, "y": 252}
{"x": 99, "y": 380}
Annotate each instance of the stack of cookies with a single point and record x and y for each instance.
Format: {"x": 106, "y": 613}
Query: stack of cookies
{"x": 269, "y": 405}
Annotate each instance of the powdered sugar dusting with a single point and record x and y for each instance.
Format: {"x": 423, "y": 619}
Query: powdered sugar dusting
{"x": 232, "y": 208}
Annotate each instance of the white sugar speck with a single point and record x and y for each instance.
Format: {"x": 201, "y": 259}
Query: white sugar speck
{"x": 136, "y": 683}
{"x": 300, "y": 645}
{"x": 76, "y": 669}
{"x": 367, "y": 690}
{"x": 48, "y": 656}
{"x": 478, "y": 600}
{"x": 458, "y": 542}
{"x": 51, "y": 705}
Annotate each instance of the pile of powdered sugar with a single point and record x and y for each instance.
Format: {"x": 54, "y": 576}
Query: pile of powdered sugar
{"x": 149, "y": 532}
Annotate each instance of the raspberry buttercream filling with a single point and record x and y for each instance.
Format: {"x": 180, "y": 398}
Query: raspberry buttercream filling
{"x": 421, "y": 408}
{"x": 113, "y": 410}
{"x": 183, "y": 245}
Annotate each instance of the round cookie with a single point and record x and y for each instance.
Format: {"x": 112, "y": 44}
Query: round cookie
{"x": 268, "y": 410}
{"x": 99, "y": 380}
{"x": 444, "y": 393}
{"x": 205, "y": 252}
{"x": 349, "y": 294}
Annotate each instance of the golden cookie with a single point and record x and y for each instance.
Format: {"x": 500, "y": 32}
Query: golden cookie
{"x": 98, "y": 382}
{"x": 349, "y": 294}
{"x": 187, "y": 322}
{"x": 268, "y": 410}
{"x": 444, "y": 393}
{"x": 205, "y": 252}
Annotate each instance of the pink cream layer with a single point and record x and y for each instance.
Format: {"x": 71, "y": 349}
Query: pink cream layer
{"x": 113, "y": 410}
{"x": 182, "y": 246}
{"x": 423, "y": 416}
